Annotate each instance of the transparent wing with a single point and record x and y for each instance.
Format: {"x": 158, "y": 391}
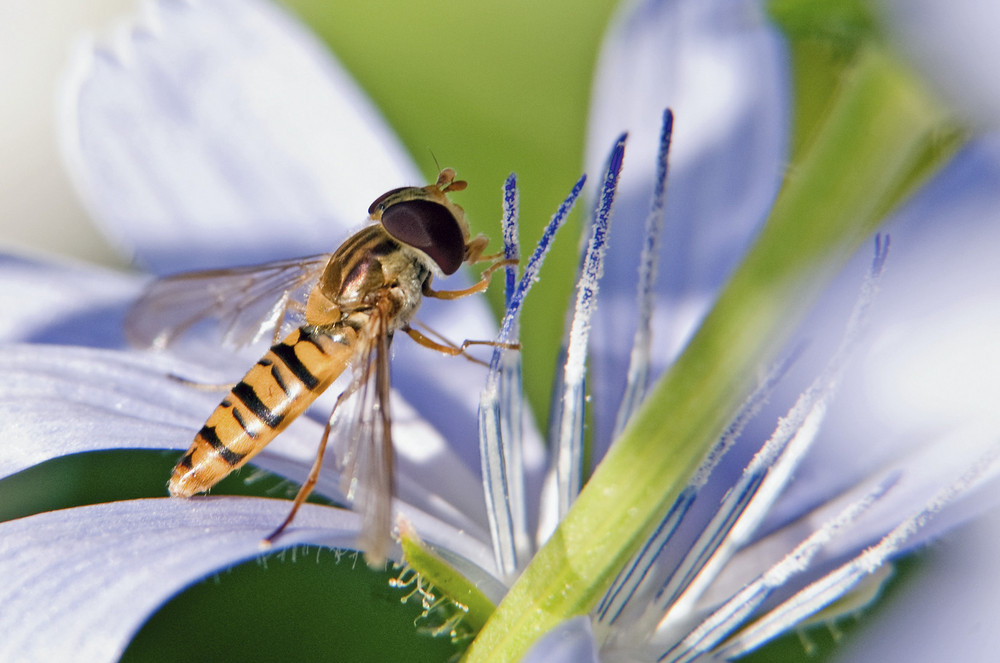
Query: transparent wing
{"x": 247, "y": 302}
{"x": 364, "y": 452}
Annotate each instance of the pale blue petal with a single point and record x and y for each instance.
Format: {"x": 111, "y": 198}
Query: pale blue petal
{"x": 919, "y": 400}
{"x": 951, "y": 42}
{"x": 445, "y": 390}
{"x": 61, "y": 400}
{"x": 49, "y": 303}
{"x": 79, "y": 582}
{"x": 722, "y": 70}
{"x": 946, "y": 608}
{"x": 222, "y": 132}
{"x": 570, "y": 642}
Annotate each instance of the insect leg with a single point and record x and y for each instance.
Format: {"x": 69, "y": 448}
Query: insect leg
{"x": 479, "y": 286}
{"x": 450, "y": 348}
{"x": 474, "y": 250}
{"x": 310, "y": 482}
{"x": 201, "y": 386}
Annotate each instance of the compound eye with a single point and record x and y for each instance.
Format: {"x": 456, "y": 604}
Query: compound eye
{"x": 385, "y": 196}
{"x": 430, "y": 227}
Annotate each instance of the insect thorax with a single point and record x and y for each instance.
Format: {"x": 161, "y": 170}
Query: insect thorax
{"x": 370, "y": 269}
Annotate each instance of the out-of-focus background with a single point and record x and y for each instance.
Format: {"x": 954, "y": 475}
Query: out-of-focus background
{"x": 486, "y": 87}
{"x": 38, "y": 208}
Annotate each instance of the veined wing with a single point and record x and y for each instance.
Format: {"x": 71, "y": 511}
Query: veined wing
{"x": 246, "y": 301}
{"x": 363, "y": 441}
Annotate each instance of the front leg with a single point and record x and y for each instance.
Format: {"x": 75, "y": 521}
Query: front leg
{"x": 453, "y": 350}
{"x": 479, "y": 286}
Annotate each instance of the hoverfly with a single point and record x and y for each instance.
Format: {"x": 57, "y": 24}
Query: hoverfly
{"x": 351, "y": 301}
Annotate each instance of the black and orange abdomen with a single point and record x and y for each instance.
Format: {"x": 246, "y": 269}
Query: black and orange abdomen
{"x": 279, "y": 387}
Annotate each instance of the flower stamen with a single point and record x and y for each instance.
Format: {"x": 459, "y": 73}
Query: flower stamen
{"x": 499, "y": 446}
{"x": 568, "y": 442}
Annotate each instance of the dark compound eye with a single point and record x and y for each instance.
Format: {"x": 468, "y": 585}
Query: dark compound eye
{"x": 430, "y": 227}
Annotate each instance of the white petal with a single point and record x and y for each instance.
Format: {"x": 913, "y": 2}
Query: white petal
{"x": 952, "y": 44}
{"x": 79, "y": 582}
{"x": 221, "y": 132}
{"x": 570, "y": 642}
{"x": 722, "y": 70}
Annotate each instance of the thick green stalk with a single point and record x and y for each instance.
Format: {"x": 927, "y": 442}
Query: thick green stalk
{"x": 877, "y": 134}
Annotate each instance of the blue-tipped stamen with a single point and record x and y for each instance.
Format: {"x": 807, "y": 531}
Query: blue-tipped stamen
{"x": 534, "y": 264}
{"x": 510, "y": 233}
{"x": 746, "y": 503}
{"x": 569, "y": 443}
{"x": 634, "y": 595}
{"x": 503, "y": 479}
{"x": 511, "y": 392}
{"x": 729, "y": 616}
{"x": 638, "y": 367}
{"x": 623, "y": 591}
{"x": 838, "y": 583}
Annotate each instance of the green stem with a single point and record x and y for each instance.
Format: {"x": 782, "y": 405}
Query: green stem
{"x": 875, "y": 139}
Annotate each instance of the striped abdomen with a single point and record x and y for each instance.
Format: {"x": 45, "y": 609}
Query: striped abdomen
{"x": 277, "y": 389}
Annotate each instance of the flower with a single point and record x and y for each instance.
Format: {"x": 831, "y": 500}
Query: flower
{"x": 118, "y": 398}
